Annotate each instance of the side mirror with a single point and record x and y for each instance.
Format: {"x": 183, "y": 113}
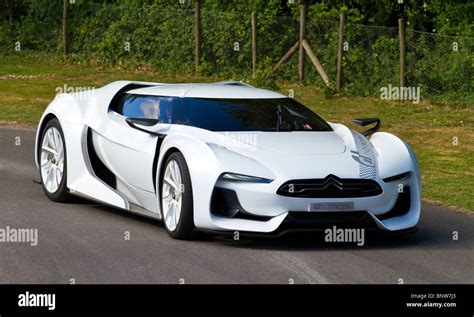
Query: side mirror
{"x": 362, "y": 122}
{"x": 141, "y": 124}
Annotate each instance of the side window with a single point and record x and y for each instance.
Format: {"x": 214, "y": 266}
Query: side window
{"x": 148, "y": 107}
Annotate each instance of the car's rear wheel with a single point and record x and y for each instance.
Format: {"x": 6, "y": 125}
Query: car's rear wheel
{"x": 53, "y": 161}
{"x": 177, "y": 197}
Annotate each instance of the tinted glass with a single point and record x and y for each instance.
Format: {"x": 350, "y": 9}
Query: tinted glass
{"x": 282, "y": 114}
{"x": 150, "y": 107}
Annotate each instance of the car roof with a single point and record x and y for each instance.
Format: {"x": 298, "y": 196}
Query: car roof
{"x": 220, "y": 90}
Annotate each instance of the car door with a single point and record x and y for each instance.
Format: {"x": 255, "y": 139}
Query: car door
{"x": 130, "y": 152}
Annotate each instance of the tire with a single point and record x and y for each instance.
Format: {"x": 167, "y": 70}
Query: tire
{"x": 53, "y": 162}
{"x": 178, "y": 198}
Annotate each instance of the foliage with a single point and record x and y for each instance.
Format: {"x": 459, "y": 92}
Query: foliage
{"x": 160, "y": 33}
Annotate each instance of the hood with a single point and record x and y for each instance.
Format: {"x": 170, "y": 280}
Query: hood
{"x": 300, "y": 155}
{"x": 298, "y": 143}
{"x": 291, "y": 155}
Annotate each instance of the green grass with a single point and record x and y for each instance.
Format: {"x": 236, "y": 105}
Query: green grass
{"x": 28, "y": 83}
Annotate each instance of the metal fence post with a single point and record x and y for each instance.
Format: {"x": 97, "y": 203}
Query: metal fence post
{"x": 197, "y": 32}
{"x": 65, "y": 30}
{"x": 340, "y": 51}
{"x": 401, "y": 32}
{"x": 254, "y": 42}
{"x": 302, "y": 37}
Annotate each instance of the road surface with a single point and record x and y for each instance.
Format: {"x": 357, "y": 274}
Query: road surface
{"x": 83, "y": 242}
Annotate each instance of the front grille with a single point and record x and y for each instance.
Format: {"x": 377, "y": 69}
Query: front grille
{"x": 329, "y": 216}
{"x": 301, "y": 220}
{"x": 330, "y": 187}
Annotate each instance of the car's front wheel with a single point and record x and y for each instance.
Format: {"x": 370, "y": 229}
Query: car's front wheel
{"x": 177, "y": 197}
{"x": 53, "y": 164}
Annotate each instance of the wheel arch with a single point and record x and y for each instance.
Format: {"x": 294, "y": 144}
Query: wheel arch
{"x": 48, "y": 117}
{"x": 395, "y": 156}
{"x": 64, "y": 108}
{"x": 203, "y": 170}
{"x": 168, "y": 152}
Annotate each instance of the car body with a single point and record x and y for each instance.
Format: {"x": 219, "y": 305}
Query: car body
{"x": 255, "y": 160}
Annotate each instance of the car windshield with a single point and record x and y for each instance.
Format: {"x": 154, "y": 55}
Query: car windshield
{"x": 282, "y": 114}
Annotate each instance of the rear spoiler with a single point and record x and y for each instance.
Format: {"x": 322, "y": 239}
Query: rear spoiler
{"x": 362, "y": 122}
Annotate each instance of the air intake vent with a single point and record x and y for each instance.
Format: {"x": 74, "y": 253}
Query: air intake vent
{"x": 330, "y": 187}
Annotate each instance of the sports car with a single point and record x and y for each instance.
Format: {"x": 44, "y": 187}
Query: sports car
{"x": 224, "y": 157}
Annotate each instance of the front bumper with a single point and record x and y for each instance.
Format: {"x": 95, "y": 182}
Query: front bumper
{"x": 261, "y": 209}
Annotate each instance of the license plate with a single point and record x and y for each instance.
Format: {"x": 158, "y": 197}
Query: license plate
{"x": 347, "y": 206}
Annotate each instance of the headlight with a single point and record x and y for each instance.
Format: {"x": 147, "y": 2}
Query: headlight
{"x": 232, "y": 177}
{"x": 397, "y": 177}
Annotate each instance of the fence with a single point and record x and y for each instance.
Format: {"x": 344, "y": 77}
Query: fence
{"x": 441, "y": 66}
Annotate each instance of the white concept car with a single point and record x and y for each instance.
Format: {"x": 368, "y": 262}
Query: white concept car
{"x": 224, "y": 157}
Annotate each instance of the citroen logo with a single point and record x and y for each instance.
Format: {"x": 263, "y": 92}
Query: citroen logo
{"x": 331, "y": 181}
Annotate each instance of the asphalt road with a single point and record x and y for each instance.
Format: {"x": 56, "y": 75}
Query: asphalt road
{"x": 84, "y": 242}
